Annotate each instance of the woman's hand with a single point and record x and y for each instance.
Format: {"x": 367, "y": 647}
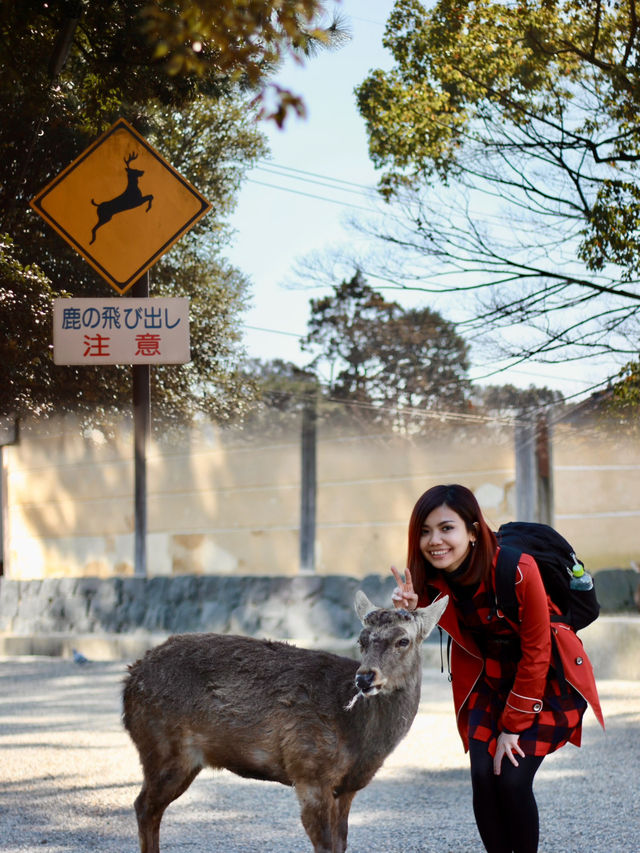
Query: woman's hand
{"x": 403, "y": 595}
{"x": 507, "y": 745}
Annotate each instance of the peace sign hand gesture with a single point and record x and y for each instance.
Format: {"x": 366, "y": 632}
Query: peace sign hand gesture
{"x": 403, "y": 595}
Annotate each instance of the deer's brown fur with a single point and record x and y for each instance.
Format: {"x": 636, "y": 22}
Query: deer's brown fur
{"x": 269, "y": 710}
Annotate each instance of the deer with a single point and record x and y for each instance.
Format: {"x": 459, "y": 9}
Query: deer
{"x": 270, "y": 710}
{"x": 127, "y": 200}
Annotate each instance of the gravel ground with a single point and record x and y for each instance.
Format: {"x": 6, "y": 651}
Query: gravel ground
{"x": 69, "y": 775}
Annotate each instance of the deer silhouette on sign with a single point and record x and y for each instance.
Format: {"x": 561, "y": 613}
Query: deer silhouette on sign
{"x": 130, "y": 198}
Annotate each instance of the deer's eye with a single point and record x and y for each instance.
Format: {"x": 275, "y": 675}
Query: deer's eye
{"x": 403, "y": 643}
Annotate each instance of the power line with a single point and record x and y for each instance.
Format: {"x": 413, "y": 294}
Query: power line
{"x": 300, "y": 336}
{"x": 529, "y": 418}
{"x": 273, "y": 331}
{"x": 367, "y": 21}
{"x": 305, "y": 176}
{"x": 321, "y": 181}
{"x": 340, "y": 185}
{"x": 426, "y": 414}
{"x": 287, "y": 169}
{"x": 309, "y": 195}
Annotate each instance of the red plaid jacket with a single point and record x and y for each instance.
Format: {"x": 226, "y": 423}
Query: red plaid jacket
{"x": 524, "y": 701}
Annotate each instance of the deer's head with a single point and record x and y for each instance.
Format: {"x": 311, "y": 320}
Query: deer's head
{"x": 390, "y": 643}
{"x": 136, "y": 173}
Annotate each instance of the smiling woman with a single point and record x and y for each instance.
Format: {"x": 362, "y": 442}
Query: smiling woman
{"x": 447, "y": 532}
{"x": 507, "y": 695}
{"x": 445, "y": 540}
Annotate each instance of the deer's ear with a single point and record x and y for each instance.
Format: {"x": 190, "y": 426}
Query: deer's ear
{"x": 363, "y": 606}
{"x": 428, "y": 617}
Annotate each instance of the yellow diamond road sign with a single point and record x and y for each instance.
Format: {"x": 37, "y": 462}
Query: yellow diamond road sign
{"x": 120, "y": 205}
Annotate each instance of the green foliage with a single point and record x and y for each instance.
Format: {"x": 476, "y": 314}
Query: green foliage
{"x": 625, "y": 400}
{"x": 197, "y": 122}
{"x": 389, "y": 364}
{"x": 25, "y": 318}
{"x": 526, "y": 114}
{"x": 462, "y": 63}
{"x": 281, "y": 390}
{"x": 612, "y": 232}
{"x": 509, "y": 401}
{"x": 282, "y": 385}
{"x": 242, "y": 40}
{"x": 135, "y": 50}
{"x": 348, "y": 328}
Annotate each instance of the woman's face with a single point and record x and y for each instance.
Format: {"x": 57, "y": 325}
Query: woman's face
{"x": 445, "y": 540}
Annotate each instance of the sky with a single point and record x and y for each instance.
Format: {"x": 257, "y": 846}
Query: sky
{"x": 299, "y": 202}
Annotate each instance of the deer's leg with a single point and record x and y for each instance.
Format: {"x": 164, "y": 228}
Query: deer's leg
{"x": 340, "y": 821}
{"x": 316, "y": 807}
{"x": 101, "y": 221}
{"x": 159, "y": 789}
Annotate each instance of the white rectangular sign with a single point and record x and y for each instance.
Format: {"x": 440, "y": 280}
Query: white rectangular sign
{"x": 121, "y": 331}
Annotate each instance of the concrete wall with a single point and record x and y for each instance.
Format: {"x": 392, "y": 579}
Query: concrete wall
{"x": 305, "y": 607}
{"x": 120, "y": 618}
{"x": 224, "y": 503}
{"x": 221, "y": 502}
{"x": 597, "y": 494}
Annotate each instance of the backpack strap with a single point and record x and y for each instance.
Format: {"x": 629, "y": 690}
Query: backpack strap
{"x": 506, "y": 571}
{"x": 507, "y": 602}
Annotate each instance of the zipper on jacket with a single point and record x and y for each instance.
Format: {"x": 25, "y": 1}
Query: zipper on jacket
{"x": 449, "y": 641}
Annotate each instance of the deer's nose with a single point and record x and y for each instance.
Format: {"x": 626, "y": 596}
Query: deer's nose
{"x": 364, "y": 680}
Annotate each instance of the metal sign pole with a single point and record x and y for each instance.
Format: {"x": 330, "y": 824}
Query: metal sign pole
{"x": 141, "y": 430}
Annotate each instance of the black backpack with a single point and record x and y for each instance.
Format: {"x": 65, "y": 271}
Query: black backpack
{"x": 555, "y": 558}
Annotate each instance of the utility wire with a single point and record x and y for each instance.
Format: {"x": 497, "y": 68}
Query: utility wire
{"x": 427, "y": 414}
{"x": 286, "y": 170}
{"x": 472, "y": 379}
{"x": 309, "y": 195}
{"x": 273, "y": 331}
{"x": 306, "y": 176}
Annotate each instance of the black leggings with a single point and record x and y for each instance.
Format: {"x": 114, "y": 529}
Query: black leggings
{"x": 504, "y": 806}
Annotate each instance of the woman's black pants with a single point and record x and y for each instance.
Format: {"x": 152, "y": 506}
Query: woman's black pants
{"x": 504, "y": 806}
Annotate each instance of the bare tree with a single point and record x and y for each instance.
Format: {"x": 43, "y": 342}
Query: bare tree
{"x": 509, "y": 141}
